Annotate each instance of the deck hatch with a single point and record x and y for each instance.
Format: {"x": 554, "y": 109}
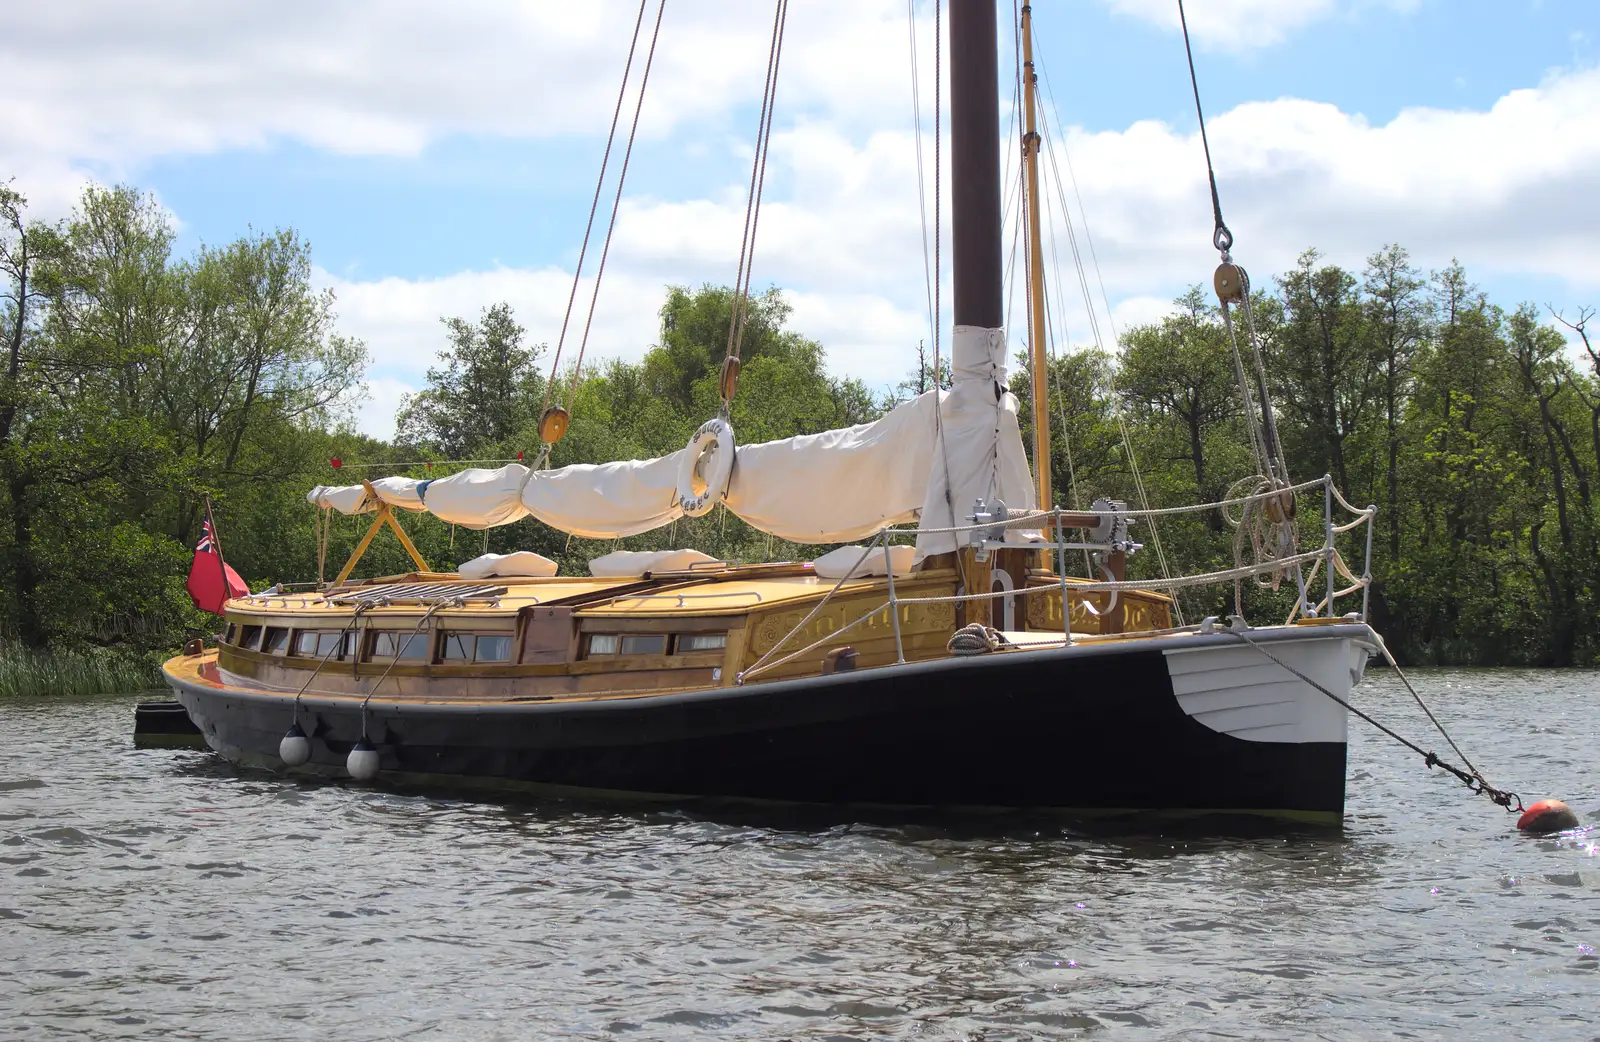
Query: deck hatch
{"x": 417, "y": 593}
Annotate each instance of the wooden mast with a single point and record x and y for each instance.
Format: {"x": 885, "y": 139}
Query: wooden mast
{"x": 1036, "y": 335}
{"x": 975, "y": 238}
{"x": 975, "y": 165}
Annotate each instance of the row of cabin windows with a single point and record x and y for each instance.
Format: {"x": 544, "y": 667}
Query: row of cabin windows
{"x": 381, "y": 645}
{"x": 602, "y": 644}
{"x": 451, "y": 646}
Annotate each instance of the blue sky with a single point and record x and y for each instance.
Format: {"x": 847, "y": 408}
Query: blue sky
{"x": 440, "y": 161}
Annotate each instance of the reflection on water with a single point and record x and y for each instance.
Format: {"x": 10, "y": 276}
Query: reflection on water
{"x": 164, "y": 893}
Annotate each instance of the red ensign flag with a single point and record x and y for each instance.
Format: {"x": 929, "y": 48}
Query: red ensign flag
{"x": 205, "y": 585}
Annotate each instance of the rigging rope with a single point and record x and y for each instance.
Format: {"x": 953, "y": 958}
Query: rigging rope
{"x": 1268, "y": 525}
{"x": 594, "y": 205}
{"x": 1471, "y": 777}
{"x": 752, "y": 209}
{"x": 1221, "y": 237}
{"x": 938, "y": 199}
{"x": 922, "y": 202}
{"x": 1134, "y": 471}
{"x": 616, "y": 204}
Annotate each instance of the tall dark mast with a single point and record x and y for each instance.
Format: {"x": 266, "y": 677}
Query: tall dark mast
{"x": 975, "y": 164}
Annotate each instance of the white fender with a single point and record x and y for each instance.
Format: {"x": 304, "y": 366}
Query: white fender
{"x": 706, "y": 467}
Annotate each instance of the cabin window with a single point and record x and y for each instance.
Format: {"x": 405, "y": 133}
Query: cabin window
{"x": 250, "y": 638}
{"x": 493, "y": 648}
{"x": 327, "y": 641}
{"x": 398, "y": 644}
{"x": 231, "y": 632}
{"x": 275, "y": 640}
{"x": 457, "y": 647}
{"x": 474, "y": 647}
{"x": 627, "y": 644}
{"x": 319, "y": 643}
{"x": 701, "y": 642}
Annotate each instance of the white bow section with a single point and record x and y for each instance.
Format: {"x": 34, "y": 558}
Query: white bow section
{"x": 981, "y": 444}
{"x": 841, "y": 484}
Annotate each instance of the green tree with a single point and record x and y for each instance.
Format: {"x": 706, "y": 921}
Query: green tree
{"x": 1179, "y": 372}
{"x": 1324, "y": 365}
{"x": 487, "y": 390}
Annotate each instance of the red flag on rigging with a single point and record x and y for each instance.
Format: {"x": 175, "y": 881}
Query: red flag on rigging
{"x": 206, "y": 587}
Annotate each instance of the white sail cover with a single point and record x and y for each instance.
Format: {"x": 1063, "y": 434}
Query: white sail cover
{"x": 401, "y": 493}
{"x": 478, "y": 498}
{"x": 841, "y": 484}
{"x": 848, "y": 562}
{"x": 606, "y": 500}
{"x": 626, "y": 564}
{"x": 981, "y": 444}
{"x": 346, "y": 499}
{"x": 831, "y": 487}
{"x": 520, "y": 563}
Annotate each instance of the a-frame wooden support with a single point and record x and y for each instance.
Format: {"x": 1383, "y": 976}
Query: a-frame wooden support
{"x": 385, "y": 516}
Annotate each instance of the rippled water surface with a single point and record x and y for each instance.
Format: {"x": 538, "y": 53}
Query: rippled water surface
{"x": 150, "y": 894}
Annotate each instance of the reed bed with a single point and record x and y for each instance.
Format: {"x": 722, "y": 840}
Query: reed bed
{"x": 86, "y": 671}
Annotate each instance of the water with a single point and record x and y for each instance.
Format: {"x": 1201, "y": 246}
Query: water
{"x": 149, "y": 894}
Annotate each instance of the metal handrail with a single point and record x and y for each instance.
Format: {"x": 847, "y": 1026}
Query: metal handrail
{"x": 681, "y": 597}
{"x": 1324, "y": 556}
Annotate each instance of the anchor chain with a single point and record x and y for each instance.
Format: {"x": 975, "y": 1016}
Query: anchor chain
{"x": 1476, "y": 783}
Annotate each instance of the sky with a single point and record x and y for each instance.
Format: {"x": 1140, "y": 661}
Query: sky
{"x": 441, "y": 158}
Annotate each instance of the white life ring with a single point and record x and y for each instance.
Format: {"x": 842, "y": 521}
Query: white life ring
{"x": 706, "y": 467}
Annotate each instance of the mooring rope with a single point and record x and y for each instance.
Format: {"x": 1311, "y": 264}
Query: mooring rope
{"x": 337, "y": 645}
{"x": 1471, "y": 777}
{"x": 453, "y": 603}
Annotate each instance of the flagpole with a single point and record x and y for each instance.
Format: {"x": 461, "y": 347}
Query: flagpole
{"x": 216, "y": 542}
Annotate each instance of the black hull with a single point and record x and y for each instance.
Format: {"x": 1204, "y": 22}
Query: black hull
{"x": 165, "y": 725}
{"x": 1086, "y": 729}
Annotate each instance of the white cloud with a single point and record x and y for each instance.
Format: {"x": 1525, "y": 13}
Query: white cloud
{"x": 1238, "y": 25}
{"x": 1508, "y": 190}
{"x": 399, "y": 320}
{"x": 110, "y": 85}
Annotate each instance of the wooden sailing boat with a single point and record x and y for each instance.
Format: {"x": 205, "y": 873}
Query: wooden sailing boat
{"x": 966, "y": 670}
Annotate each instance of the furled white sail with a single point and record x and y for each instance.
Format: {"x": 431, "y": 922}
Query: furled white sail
{"x": 402, "y": 493}
{"x": 980, "y": 455}
{"x": 842, "y": 484}
{"x": 346, "y": 499}
{"x": 478, "y": 498}
{"x": 606, "y": 500}
{"x": 832, "y": 487}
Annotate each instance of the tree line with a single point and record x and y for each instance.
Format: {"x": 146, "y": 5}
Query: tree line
{"x": 138, "y": 382}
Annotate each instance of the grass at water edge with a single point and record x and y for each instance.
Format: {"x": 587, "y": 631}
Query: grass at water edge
{"x": 26, "y": 672}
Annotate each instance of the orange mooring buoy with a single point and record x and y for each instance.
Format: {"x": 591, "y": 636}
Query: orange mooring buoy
{"x": 1547, "y": 816}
